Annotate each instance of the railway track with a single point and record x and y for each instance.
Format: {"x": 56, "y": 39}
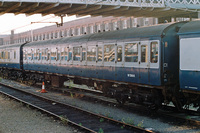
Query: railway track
{"x": 186, "y": 116}
{"x": 83, "y": 120}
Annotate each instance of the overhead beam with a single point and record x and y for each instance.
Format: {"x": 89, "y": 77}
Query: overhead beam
{"x": 124, "y": 12}
{"x": 58, "y": 9}
{"x": 24, "y": 10}
{"x": 117, "y": 11}
{"x": 102, "y": 10}
{"x": 11, "y": 8}
{"x": 72, "y": 10}
{"x": 47, "y": 7}
{"x": 96, "y": 7}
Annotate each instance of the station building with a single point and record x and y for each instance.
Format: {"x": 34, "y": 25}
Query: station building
{"x": 78, "y": 27}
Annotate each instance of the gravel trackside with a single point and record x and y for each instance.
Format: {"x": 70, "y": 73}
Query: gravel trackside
{"x": 15, "y": 118}
{"x": 144, "y": 121}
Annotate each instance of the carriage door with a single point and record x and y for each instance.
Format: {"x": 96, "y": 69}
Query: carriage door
{"x": 144, "y": 62}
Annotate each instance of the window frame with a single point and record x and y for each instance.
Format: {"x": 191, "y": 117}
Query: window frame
{"x": 131, "y": 64}
{"x": 94, "y": 61}
{"x": 157, "y": 64}
{"x": 113, "y": 62}
{"x": 80, "y": 53}
{"x": 155, "y": 55}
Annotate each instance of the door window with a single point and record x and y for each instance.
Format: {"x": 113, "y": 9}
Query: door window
{"x": 131, "y": 52}
{"x": 99, "y": 53}
{"x": 91, "y": 53}
{"x": 154, "y": 52}
{"x": 144, "y": 53}
{"x": 119, "y": 53}
{"x": 109, "y": 53}
{"x": 77, "y": 53}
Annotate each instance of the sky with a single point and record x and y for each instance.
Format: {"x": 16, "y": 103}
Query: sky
{"x": 21, "y": 23}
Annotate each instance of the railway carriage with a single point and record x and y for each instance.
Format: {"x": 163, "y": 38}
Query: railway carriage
{"x": 144, "y": 65}
{"x": 189, "y": 62}
{"x": 11, "y": 62}
{"x": 136, "y": 64}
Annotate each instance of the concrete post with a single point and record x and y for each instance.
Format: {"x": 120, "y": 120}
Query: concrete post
{"x": 155, "y": 21}
{"x": 95, "y": 28}
{"x": 119, "y": 24}
{"x": 130, "y": 22}
{"x": 110, "y": 27}
{"x": 12, "y": 37}
{"x": 1, "y": 41}
{"x": 140, "y": 22}
{"x": 102, "y": 27}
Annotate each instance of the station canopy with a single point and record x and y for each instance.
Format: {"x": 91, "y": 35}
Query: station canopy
{"x": 126, "y": 8}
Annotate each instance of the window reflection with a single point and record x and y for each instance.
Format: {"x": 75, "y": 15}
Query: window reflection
{"x": 76, "y": 54}
{"x": 131, "y": 52}
{"x": 109, "y": 53}
{"x": 154, "y": 52}
{"x": 99, "y": 53}
{"x": 144, "y": 53}
{"x": 83, "y": 54}
{"x": 91, "y": 53}
{"x": 119, "y": 53}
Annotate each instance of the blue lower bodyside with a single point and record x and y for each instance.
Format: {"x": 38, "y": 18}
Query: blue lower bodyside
{"x": 121, "y": 74}
{"x": 189, "y": 80}
{"x": 10, "y": 65}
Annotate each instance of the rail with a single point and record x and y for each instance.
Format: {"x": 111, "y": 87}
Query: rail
{"x": 80, "y": 118}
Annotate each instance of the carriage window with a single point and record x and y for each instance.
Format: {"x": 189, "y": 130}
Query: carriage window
{"x": 119, "y": 53}
{"x": 14, "y": 54}
{"x": 44, "y": 54}
{"x": 62, "y": 53}
{"x": 154, "y": 52}
{"x": 8, "y": 55}
{"x": 91, "y": 53}
{"x": 99, "y": 53}
{"x": 70, "y": 54}
{"x": 53, "y": 54}
{"x": 32, "y": 54}
{"x": 77, "y": 53}
{"x": 144, "y": 53}
{"x": 58, "y": 54}
{"x": 131, "y": 52}
{"x": 2, "y": 55}
{"x": 38, "y": 54}
{"x": 48, "y": 54}
{"x": 35, "y": 54}
{"x": 83, "y": 54}
{"x": 24, "y": 54}
{"x": 109, "y": 53}
{"x": 66, "y": 54}
{"x": 29, "y": 55}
